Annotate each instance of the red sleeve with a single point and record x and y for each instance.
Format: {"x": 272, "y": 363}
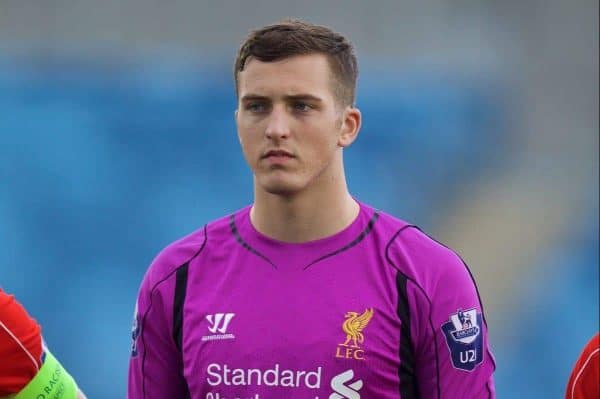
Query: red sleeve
{"x": 584, "y": 382}
{"x": 20, "y": 346}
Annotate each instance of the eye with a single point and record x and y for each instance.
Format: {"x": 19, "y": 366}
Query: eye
{"x": 256, "y": 107}
{"x": 302, "y": 106}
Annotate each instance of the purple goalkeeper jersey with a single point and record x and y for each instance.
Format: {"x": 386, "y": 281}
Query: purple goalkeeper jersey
{"x": 376, "y": 311}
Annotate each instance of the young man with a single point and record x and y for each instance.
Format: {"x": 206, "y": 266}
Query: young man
{"x": 27, "y": 369}
{"x": 307, "y": 293}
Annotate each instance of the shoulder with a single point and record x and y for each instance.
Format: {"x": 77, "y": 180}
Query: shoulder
{"x": 20, "y": 343}
{"x": 175, "y": 255}
{"x": 185, "y": 249}
{"x": 583, "y": 380}
{"x": 418, "y": 256}
{"x": 406, "y": 241}
{"x": 590, "y": 355}
{"x": 593, "y": 345}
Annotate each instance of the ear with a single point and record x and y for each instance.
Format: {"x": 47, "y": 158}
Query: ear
{"x": 351, "y": 122}
{"x": 235, "y": 116}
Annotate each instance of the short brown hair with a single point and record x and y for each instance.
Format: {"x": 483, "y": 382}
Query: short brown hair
{"x": 294, "y": 37}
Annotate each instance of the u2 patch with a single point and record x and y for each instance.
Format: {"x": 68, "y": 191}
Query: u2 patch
{"x": 464, "y": 336}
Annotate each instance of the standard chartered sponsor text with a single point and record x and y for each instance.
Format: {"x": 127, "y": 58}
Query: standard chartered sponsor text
{"x": 223, "y": 374}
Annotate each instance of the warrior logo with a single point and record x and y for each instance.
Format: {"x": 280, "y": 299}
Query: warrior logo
{"x": 218, "y": 326}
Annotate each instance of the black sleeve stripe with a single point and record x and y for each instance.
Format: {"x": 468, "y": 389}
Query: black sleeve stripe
{"x": 387, "y": 256}
{"x": 434, "y": 337}
{"x": 179, "y": 295}
{"x": 142, "y": 329}
{"x": 181, "y": 277}
{"x": 406, "y": 373}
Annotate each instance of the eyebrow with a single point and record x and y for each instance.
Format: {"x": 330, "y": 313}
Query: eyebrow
{"x": 296, "y": 97}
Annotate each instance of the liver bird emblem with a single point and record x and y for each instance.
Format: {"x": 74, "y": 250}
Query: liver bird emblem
{"x": 353, "y": 326}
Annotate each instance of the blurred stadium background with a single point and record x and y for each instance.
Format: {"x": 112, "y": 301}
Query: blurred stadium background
{"x": 480, "y": 125}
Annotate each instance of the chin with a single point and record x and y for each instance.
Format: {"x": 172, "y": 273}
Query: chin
{"x": 282, "y": 187}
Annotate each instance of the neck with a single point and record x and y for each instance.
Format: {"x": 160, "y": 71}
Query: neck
{"x": 318, "y": 211}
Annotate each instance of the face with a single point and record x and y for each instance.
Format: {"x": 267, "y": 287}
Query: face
{"x": 291, "y": 127}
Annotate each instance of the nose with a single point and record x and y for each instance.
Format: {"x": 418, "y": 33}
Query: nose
{"x": 278, "y": 126}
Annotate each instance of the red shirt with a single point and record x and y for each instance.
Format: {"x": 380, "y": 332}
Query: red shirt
{"x": 20, "y": 346}
{"x": 584, "y": 382}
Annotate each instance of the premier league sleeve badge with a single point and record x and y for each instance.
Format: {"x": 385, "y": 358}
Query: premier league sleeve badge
{"x": 464, "y": 338}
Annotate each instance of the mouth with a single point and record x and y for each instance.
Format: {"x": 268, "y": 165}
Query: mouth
{"x": 277, "y": 154}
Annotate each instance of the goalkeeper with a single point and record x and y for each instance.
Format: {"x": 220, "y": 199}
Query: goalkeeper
{"x": 27, "y": 369}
